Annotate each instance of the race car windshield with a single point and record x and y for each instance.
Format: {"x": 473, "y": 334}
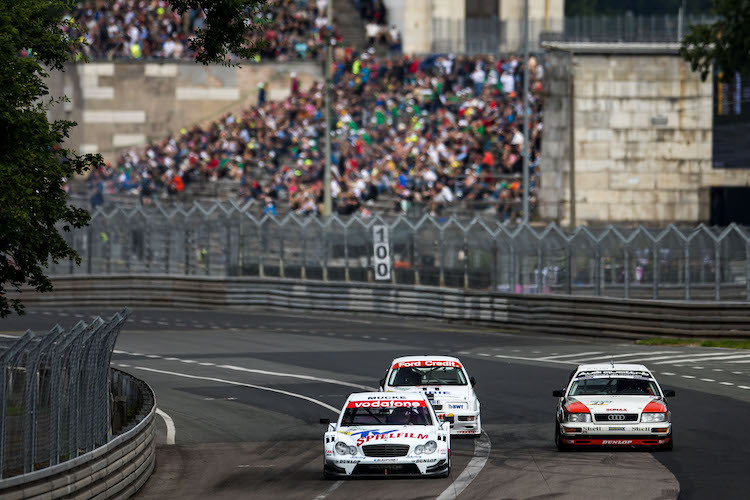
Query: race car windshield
{"x": 426, "y": 375}
{"x": 613, "y": 386}
{"x": 386, "y": 416}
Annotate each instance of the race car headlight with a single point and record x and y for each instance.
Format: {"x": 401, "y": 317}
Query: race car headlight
{"x": 654, "y": 417}
{"x": 579, "y": 417}
{"x": 419, "y": 449}
{"x": 344, "y": 449}
{"x": 430, "y": 447}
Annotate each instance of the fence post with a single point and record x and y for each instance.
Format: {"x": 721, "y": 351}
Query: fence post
{"x": 655, "y": 269}
{"x": 717, "y": 274}
{"x": 442, "y": 259}
{"x": 415, "y": 258}
{"x": 282, "y": 248}
{"x": 303, "y": 268}
{"x": 747, "y": 270}
{"x": 598, "y": 271}
{"x": 187, "y": 251}
{"x": 167, "y": 246}
{"x": 466, "y": 260}
{"x": 687, "y": 270}
{"x": 512, "y": 268}
{"x": 325, "y": 252}
{"x": 539, "y": 262}
{"x": 626, "y": 272}
{"x": 347, "y": 277}
{"x": 569, "y": 267}
{"x": 261, "y": 273}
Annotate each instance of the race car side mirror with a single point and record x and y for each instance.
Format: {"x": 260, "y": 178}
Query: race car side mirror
{"x": 558, "y": 394}
{"x": 473, "y": 381}
{"x": 450, "y": 419}
{"x": 382, "y": 383}
{"x": 669, "y": 393}
{"x": 325, "y": 421}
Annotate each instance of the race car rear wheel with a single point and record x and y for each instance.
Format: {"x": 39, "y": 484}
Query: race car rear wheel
{"x": 558, "y": 439}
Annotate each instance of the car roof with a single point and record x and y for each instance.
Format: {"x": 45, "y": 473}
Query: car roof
{"x": 423, "y": 358}
{"x": 612, "y": 367}
{"x": 359, "y": 396}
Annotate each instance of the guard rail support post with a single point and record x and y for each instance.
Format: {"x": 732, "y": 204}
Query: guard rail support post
{"x": 512, "y": 268}
{"x": 717, "y": 273}
{"x": 325, "y": 253}
{"x": 569, "y": 267}
{"x": 282, "y": 250}
{"x": 539, "y": 262}
{"x": 493, "y": 275}
{"x": 167, "y": 245}
{"x": 687, "y": 270}
{"x": 303, "y": 267}
{"x": 206, "y": 251}
{"x": 261, "y": 271}
{"x": 747, "y": 270}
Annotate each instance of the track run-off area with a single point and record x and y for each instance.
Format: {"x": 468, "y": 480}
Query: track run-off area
{"x": 240, "y": 395}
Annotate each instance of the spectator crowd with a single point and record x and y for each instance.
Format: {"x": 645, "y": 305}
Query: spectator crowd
{"x": 429, "y": 132}
{"x": 150, "y": 29}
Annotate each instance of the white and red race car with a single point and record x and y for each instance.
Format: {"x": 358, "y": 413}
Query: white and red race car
{"x": 443, "y": 379}
{"x": 613, "y": 405}
{"x": 386, "y": 434}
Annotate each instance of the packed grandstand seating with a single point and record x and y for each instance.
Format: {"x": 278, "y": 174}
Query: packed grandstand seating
{"x": 150, "y": 29}
{"x": 429, "y": 132}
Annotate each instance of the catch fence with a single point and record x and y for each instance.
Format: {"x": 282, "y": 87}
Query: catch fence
{"x": 225, "y": 239}
{"x": 56, "y": 390}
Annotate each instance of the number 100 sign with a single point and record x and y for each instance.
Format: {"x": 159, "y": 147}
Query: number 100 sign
{"x": 382, "y": 258}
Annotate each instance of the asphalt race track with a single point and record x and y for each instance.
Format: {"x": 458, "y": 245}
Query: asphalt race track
{"x": 245, "y": 391}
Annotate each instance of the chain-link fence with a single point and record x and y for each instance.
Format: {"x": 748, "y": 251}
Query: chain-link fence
{"x": 225, "y": 239}
{"x": 55, "y": 386}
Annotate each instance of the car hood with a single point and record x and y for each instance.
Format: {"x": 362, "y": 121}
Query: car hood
{"x": 614, "y": 404}
{"x": 387, "y": 434}
{"x": 440, "y": 392}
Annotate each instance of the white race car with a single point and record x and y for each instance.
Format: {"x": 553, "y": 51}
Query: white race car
{"x": 613, "y": 405}
{"x": 379, "y": 434}
{"x": 445, "y": 382}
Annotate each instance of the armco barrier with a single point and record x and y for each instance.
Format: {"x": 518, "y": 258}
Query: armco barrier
{"x": 559, "y": 314}
{"x": 115, "y": 470}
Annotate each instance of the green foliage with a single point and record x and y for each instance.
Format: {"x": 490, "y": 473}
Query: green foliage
{"x": 725, "y": 44}
{"x": 729, "y": 343}
{"x": 34, "y": 162}
{"x": 232, "y": 27}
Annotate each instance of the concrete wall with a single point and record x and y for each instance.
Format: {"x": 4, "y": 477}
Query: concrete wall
{"x": 118, "y": 105}
{"x": 642, "y": 136}
{"x": 544, "y": 15}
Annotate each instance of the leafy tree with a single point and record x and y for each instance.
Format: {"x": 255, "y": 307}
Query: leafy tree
{"x": 34, "y": 163}
{"x": 725, "y": 43}
{"x": 232, "y": 27}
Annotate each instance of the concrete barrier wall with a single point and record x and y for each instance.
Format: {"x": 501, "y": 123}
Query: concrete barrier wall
{"x": 115, "y": 470}
{"x": 557, "y": 314}
{"x": 123, "y": 104}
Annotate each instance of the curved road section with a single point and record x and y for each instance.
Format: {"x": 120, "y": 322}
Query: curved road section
{"x": 240, "y": 395}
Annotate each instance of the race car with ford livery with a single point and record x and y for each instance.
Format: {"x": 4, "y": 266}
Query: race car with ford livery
{"x": 386, "y": 434}
{"x": 613, "y": 405}
{"x": 443, "y": 379}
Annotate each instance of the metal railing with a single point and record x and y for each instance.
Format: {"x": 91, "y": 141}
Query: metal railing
{"x": 56, "y": 390}
{"x": 225, "y": 239}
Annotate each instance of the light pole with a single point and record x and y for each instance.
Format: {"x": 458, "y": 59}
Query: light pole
{"x": 526, "y": 112}
{"x": 327, "y": 202}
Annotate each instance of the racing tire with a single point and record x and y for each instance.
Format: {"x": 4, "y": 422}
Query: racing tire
{"x": 558, "y": 440}
{"x": 326, "y": 475}
{"x": 447, "y": 471}
{"x": 669, "y": 446}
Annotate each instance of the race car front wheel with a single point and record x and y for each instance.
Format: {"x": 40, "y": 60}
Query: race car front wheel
{"x": 670, "y": 445}
{"x": 558, "y": 439}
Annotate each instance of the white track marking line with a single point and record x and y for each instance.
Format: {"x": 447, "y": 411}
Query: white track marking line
{"x": 667, "y": 373}
{"x": 726, "y": 383}
{"x": 570, "y": 355}
{"x": 330, "y": 490}
{"x": 707, "y": 379}
{"x": 483, "y": 354}
{"x": 241, "y": 384}
{"x": 169, "y": 423}
{"x": 535, "y": 359}
{"x": 681, "y": 358}
{"x": 294, "y": 375}
{"x": 687, "y": 376}
{"x": 634, "y": 354}
{"x": 743, "y": 387}
{"x": 482, "y": 448}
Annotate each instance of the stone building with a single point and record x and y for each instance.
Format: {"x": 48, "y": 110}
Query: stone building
{"x": 642, "y": 135}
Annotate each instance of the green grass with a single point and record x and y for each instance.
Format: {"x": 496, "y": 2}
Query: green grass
{"x": 730, "y": 343}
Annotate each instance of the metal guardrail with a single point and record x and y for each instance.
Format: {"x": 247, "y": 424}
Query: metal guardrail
{"x": 55, "y": 386}
{"x": 225, "y": 239}
{"x": 534, "y": 314}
